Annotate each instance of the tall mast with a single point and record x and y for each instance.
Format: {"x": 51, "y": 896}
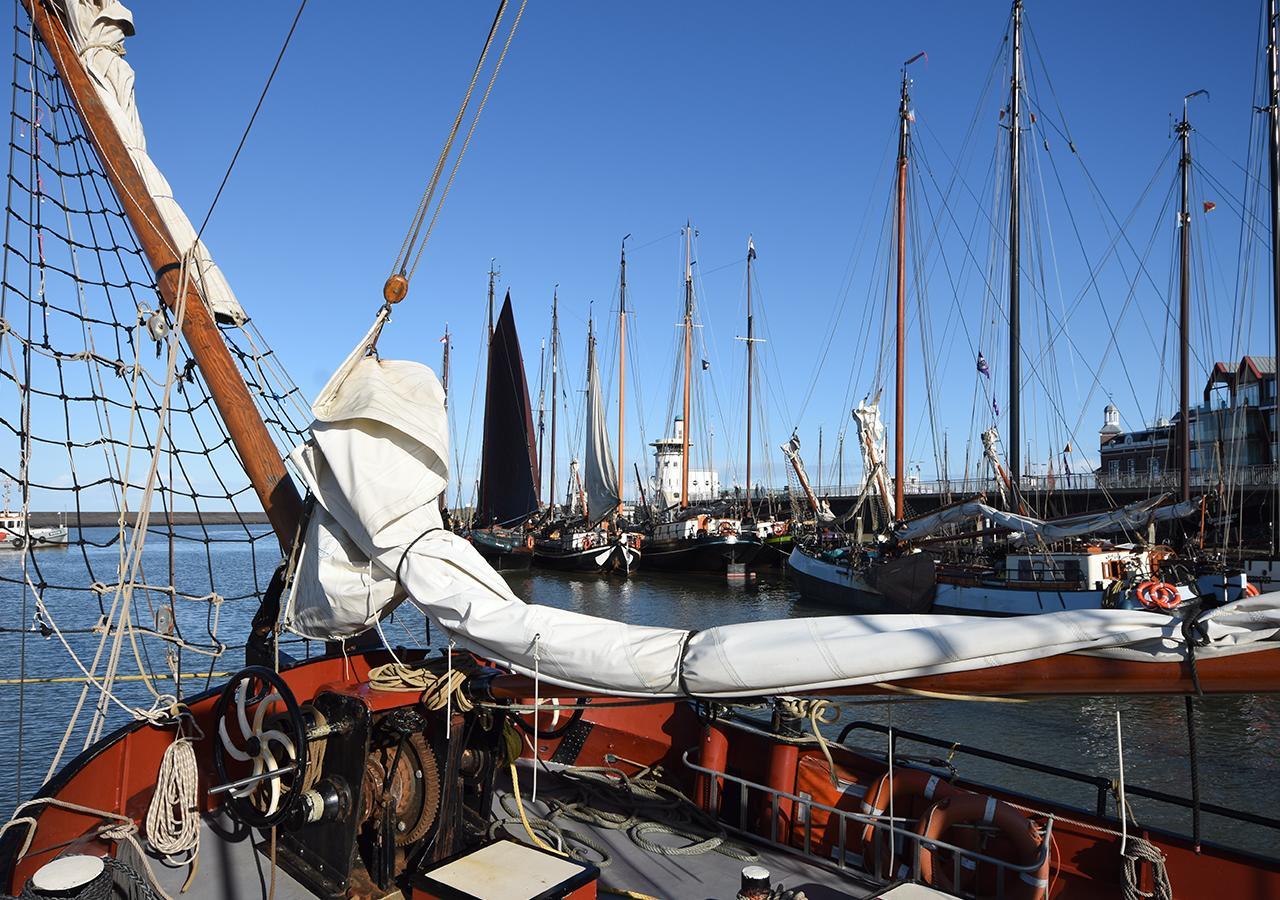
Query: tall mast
{"x": 542, "y": 402}
{"x": 492, "y": 274}
{"x": 1015, "y": 243}
{"x": 257, "y": 451}
{"x": 1184, "y": 300}
{"x": 688, "y": 363}
{"x": 1273, "y": 122}
{"x": 900, "y": 394}
{"x": 751, "y": 340}
{"x": 622, "y": 369}
{"x": 444, "y": 366}
{"x": 555, "y": 367}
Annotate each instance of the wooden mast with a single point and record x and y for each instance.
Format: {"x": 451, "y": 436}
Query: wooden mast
{"x": 492, "y": 274}
{"x": 688, "y": 363}
{"x": 1183, "y": 130}
{"x": 900, "y": 391}
{"x": 1015, "y": 243}
{"x": 622, "y": 369}
{"x": 257, "y": 451}
{"x": 751, "y": 340}
{"x": 1273, "y": 146}
{"x": 555, "y": 367}
{"x": 444, "y": 385}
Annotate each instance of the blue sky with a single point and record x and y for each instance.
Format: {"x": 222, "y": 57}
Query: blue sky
{"x": 611, "y": 119}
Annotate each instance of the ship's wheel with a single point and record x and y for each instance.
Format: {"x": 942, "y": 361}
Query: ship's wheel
{"x": 260, "y": 753}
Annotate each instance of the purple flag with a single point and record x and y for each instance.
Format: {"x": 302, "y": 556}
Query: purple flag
{"x": 982, "y": 365}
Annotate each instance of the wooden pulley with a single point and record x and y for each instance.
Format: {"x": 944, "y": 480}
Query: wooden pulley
{"x": 395, "y": 288}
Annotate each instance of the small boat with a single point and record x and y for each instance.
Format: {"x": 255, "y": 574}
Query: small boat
{"x": 509, "y": 472}
{"x": 16, "y": 534}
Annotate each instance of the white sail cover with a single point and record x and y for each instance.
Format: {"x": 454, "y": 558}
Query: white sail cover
{"x": 871, "y": 441}
{"x": 98, "y": 28}
{"x": 991, "y": 450}
{"x": 377, "y": 460}
{"x": 600, "y": 476}
{"x": 1134, "y": 517}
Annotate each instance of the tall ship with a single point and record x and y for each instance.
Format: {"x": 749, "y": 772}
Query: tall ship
{"x": 507, "y": 500}
{"x": 598, "y": 539}
{"x": 694, "y": 529}
{"x": 522, "y": 751}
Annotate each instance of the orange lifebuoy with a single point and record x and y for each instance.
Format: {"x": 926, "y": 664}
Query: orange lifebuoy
{"x": 779, "y": 529}
{"x": 726, "y": 529}
{"x": 1158, "y": 595}
{"x": 588, "y": 542}
{"x": 528, "y": 542}
{"x": 976, "y": 809}
{"x": 1251, "y": 590}
{"x": 908, "y": 785}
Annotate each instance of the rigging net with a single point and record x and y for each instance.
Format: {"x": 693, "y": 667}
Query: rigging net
{"x": 107, "y": 424}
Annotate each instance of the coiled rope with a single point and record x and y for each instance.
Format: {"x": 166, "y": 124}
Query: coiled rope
{"x": 438, "y": 690}
{"x": 1142, "y": 850}
{"x": 173, "y": 818}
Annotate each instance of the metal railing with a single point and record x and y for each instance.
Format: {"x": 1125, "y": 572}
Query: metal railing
{"x": 898, "y": 830}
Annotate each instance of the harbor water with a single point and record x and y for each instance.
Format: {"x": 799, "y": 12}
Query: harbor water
{"x": 1237, "y": 736}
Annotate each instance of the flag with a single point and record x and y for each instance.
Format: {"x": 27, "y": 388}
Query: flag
{"x": 1066, "y": 458}
{"x": 995, "y": 405}
{"x": 705, "y": 365}
{"x": 751, "y": 248}
{"x": 982, "y": 365}
{"x": 445, "y": 339}
{"x": 1210, "y": 206}
{"x": 1050, "y": 475}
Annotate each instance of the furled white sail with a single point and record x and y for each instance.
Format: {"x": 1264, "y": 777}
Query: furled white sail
{"x": 871, "y": 441}
{"x": 600, "y": 476}
{"x": 991, "y": 450}
{"x": 377, "y": 459}
{"x": 97, "y": 29}
{"x": 1134, "y": 517}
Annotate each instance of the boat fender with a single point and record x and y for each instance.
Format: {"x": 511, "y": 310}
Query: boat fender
{"x": 976, "y": 809}
{"x": 1158, "y": 595}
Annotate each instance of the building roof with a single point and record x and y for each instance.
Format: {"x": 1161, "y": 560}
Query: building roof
{"x": 1259, "y": 365}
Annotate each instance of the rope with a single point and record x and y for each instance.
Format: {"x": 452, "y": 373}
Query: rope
{"x": 173, "y": 817}
{"x": 1142, "y": 850}
{"x": 438, "y": 691}
{"x": 817, "y": 712}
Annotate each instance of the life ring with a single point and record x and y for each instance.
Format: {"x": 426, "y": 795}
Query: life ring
{"x": 588, "y": 542}
{"x": 1158, "y": 595}
{"x": 528, "y": 542}
{"x": 1251, "y": 590}
{"x": 726, "y": 529}
{"x": 976, "y": 809}
{"x": 908, "y": 785}
{"x": 779, "y": 529}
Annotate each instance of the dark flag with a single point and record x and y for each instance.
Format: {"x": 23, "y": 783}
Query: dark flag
{"x": 705, "y": 365}
{"x": 982, "y": 365}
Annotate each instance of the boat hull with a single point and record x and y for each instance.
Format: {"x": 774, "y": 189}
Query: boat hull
{"x": 611, "y": 559}
{"x": 712, "y": 554}
{"x": 505, "y": 552}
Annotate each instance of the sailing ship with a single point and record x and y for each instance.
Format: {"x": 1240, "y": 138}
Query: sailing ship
{"x": 599, "y": 541}
{"x": 903, "y": 571}
{"x": 507, "y": 500}
{"x": 372, "y": 772}
{"x": 707, "y": 536}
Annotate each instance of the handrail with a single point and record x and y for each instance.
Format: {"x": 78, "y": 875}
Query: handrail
{"x": 880, "y": 823}
{"x": 1102, "y": 784}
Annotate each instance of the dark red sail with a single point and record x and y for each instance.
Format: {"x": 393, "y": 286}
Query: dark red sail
{"x": 509, "y": 476}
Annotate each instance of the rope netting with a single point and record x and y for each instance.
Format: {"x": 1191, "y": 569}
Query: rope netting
{"x": 108, "y": 430}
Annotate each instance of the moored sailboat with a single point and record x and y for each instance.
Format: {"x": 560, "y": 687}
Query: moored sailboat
{"x": 509, "y": 474}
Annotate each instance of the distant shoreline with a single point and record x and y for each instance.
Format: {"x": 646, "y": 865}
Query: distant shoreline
{"x": 158, "y": 517}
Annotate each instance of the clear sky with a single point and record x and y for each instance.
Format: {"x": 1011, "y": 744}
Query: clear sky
{"x": 763, "y": 118}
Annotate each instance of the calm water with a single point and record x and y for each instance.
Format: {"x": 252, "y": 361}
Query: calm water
{"x": 1237, "y": 736}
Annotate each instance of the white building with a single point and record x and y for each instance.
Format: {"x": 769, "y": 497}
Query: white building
{"x": 703, "y": 484}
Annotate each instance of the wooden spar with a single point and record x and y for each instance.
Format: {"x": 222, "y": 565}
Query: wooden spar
{"x": 751, "y": 254}
{"x": 444, "y": 385}
{"x": 257, "y": 451}
{"x": 688, "y": 364}
{"x": 1183, "y": 130}
{"x": 1065, "y": 675}
{"x": 492, "y": 275}
{"x": 1015, "y": 243}
{"x": 900, "y": 395}
{"x": 555, "y": 368}
{"x": 622, "y": 369}
{"x": 1273, "y": 154}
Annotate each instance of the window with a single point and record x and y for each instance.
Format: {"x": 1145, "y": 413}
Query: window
{"x": 1153, "y": 467}
{"x": 1113, "y": 468}
{"x": 1133, "y": 466}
